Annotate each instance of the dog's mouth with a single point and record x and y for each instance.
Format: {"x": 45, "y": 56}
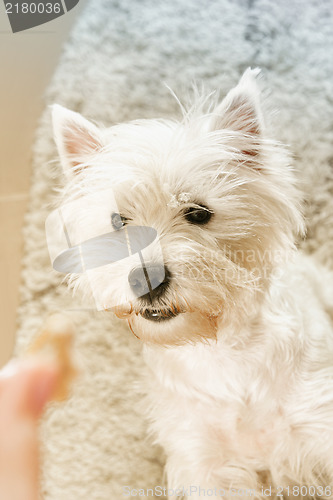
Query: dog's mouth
{"x": 150, "y": 313}
{"x": 159, "y": 315}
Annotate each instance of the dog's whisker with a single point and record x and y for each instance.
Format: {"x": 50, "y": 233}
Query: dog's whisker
{"x": 131, "y": 328}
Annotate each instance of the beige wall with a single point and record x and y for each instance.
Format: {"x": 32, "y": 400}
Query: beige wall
{"x": 28, "y": 60}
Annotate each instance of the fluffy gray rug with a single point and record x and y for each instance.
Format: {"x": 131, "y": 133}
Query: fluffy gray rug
{"x": 113, "y": 69}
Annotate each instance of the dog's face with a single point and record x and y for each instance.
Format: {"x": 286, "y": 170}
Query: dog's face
{"x": 218, "y": 195}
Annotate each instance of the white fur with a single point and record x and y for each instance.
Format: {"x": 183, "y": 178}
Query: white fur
{"x": 241, "y": 388}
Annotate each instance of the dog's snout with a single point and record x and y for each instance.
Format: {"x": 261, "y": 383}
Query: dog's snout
{"x": 149, "y": 281}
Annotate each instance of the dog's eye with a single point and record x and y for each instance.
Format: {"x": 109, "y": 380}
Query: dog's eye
{"x": 198, "y": 215}
{"x": 117, "y": 221}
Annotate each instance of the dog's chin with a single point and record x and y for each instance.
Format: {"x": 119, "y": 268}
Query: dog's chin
{"x": 170, "y": 327}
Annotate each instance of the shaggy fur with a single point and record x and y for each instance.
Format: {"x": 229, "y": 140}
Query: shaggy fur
{"x": 241, "y": 393}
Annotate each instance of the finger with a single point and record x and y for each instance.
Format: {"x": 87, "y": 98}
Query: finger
{"x": 25, "y": 388}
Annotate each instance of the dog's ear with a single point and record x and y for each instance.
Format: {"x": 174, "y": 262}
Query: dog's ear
{"x": 240, "y": 110}
{"x": 76, "y": 138}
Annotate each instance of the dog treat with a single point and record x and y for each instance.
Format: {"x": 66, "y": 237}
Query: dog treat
{"x": 55, "y": 340}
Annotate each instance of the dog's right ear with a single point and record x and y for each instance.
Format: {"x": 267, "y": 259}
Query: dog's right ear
{"x": 76, "y": 138}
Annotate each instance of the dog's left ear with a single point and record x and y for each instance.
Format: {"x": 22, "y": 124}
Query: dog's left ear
{"x": 240, "y": 109}
{"x": 77, "y": 139}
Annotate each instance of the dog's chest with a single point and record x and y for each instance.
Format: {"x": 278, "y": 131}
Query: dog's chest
{"x": 245, "y": 432}
{"x": 234, "y": 409}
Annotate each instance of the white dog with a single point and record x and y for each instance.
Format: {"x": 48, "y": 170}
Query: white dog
{"x": 236, "y": 324}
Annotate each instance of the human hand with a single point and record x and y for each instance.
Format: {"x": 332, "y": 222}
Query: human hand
{"x": 25, "y": 388}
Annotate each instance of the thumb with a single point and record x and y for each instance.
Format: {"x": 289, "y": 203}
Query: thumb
{"x": 25, "y": 387}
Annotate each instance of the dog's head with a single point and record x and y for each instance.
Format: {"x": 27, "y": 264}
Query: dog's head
{"x": 207, "y": 205}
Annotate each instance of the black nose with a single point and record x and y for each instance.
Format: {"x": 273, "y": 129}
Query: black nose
{"x": 149, "y": 281}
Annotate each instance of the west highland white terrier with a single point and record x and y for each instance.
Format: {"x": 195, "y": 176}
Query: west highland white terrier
{"x": 237, "y": 324}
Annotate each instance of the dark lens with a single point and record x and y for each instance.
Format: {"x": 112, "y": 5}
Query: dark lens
{"x": 200, "y": 215}
{"x": 117, "y": 221}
